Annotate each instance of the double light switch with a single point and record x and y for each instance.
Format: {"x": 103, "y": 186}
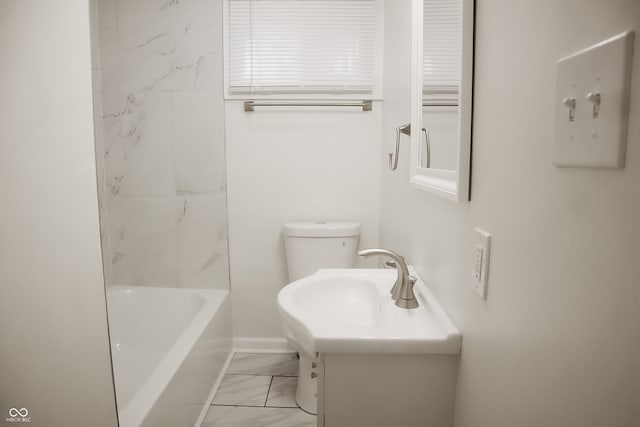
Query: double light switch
{"x": 592, "y": 101}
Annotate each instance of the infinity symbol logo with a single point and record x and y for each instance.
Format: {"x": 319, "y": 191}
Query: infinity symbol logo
{"x": 22, "y": 412}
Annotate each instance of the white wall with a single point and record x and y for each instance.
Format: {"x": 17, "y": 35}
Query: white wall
{"x": 397, "y": 111}
{"x": 557, "y": 343}
{"x": 53, "y": 328}
{"x": 294, "y": 165}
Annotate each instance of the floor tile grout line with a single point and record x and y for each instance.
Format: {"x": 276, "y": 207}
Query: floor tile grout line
{"x": 295, "y": 404}
{"x": 228, "y": 405}
{"x": 280, "y": 407}
{"x": 266, "y": 375}
{"x": 248, "y": 378}
{"x": 268, "y": 391}
{"x": 252, "y": 375}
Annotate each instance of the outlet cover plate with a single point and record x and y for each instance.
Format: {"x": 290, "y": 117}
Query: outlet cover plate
{"x": 480, "y": 262}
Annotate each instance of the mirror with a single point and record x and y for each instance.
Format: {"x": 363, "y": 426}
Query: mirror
{"x": 442, "y": 78}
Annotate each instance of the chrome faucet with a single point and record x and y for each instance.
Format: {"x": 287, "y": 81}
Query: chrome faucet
{"x": 402, "y": 291}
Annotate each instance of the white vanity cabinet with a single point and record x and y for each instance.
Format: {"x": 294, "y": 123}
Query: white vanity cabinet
{"x": 377, "y": 364}
{"x": 386, "y": 390}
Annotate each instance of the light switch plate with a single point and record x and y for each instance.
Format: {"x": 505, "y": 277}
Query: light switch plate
{"x": 592, "y": 104}
{"x": 480, "y": 262}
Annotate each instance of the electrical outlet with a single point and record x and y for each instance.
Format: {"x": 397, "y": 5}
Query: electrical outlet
{"x": 480, "y": 270}
{"x": 477, "y": 268}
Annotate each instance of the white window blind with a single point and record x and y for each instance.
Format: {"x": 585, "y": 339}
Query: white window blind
{"x": 442, "y": 45}
{"x": 301, "y": 46}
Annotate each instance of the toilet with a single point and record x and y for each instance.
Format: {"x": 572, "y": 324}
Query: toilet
{"x": 311, "y": 246}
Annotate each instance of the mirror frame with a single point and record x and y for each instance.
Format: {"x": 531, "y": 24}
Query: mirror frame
{"x": 453, "y": 185}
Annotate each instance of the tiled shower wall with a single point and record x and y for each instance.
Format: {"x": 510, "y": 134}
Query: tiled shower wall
{"x": 99, "y": 138}
{"x": 163, "y": 192}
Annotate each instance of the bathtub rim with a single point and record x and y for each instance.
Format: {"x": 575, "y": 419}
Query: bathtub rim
{"x": 135, "y": 411}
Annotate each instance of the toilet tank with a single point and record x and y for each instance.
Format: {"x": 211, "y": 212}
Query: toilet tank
{"x": 311, "y": 246}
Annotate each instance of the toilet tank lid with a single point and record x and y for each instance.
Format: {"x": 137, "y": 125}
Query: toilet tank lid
{"x": 321, "y": 229}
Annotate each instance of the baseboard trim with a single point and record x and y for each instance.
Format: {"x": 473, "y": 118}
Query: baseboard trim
{"x": 261, "y": 345}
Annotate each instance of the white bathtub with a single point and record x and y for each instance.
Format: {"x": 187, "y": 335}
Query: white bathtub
{"x": 169, "y": 347}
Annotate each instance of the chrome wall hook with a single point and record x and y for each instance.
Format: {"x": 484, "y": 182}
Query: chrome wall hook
{"x": 393, "y": 159}
{"x": 406, "y": 130}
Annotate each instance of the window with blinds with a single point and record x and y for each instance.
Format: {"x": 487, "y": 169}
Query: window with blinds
{"x": 442, "y": 46}
{"x": 301, "y": 46}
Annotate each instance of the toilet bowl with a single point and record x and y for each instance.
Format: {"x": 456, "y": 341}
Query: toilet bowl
{"x": 309, "y": 247}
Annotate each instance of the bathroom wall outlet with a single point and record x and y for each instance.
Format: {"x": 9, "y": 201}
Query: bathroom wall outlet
{"x": 480, "y": 262}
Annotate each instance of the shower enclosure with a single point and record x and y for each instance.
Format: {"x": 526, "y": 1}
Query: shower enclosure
{"x": 160, "y": 148}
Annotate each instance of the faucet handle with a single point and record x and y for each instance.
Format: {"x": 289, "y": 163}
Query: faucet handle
{"x": 391, "y": 263}
{"x": 406, "y": 297}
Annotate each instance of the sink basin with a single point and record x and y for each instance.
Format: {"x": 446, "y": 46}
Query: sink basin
{"x": 351, "y": 311}
{"x": 342, "y": 300}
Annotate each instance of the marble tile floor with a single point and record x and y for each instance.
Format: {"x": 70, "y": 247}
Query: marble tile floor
{"x": 258, "y": 390}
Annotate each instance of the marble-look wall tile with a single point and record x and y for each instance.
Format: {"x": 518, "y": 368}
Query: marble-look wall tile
{"x": 99, "y": 140}
{"x": 114, "y": 162}
{"x": 98, "y": 137}
{"x": 202, "y": 239}
{"x": 196, "y": 34}
{"x": 146, "y": 67}
{"x": 163, "y": 142}
{"x": 107, "y": 268}
{"x": 109, "y": 47}
{"x": 198, "y": 142}
{"x": 154, "y": 240}
{"x": 141, "y": 20}
{"x": 147, "y": 146}
{"x": 211, "y": 73}
{"x": 102, "y": 193}
{"x": 113, "y": 151}
{"x": 120, "y": 253}
{"x": 110, "y": 62}
{"x": 95, "y": 47}
{"x": 145, "y": 44}
{"x": 107, "y": 11}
